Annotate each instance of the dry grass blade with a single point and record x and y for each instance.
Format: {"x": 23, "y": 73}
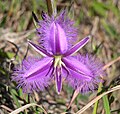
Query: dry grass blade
{"x": 16, "y": 37}
{"x": 110, "y": 63}
{"x": 6, "y": 108}
{"x": 25, "y": 107}
{"x": 75, "y": 94}
{"x": 97, "y": 98}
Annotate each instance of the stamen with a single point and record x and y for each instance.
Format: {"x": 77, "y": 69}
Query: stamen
{"x": 50, "y": 70}
{"x": 68, "y": 72}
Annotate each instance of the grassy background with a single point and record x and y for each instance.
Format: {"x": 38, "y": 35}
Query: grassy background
{"x": 100, "y": 18}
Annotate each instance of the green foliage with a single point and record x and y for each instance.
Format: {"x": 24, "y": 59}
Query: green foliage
{"x": 99, "y": 8}
{"x": 110, "y": 30}
{"x": 106, "y": 104}
{"x": 15, "y": 99}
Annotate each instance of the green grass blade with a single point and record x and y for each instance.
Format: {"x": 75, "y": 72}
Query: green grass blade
{"x": 96, "y": 104}
{"x": 106, "y": 104}
{"x": 13, "y": 93}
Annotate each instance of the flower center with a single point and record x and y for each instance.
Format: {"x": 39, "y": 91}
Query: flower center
{"x": 57, "y": 61}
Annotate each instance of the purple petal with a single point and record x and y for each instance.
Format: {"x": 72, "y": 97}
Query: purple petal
{"x": 38, "y": 67}
{"x": 39, "y": 49}
{"x": 93, "y": 63}
{"x": 35, "y": 77}
{"x": 60, "y": 26}
{"x": 58, "y": 81}
{"x": 78, "y": 67}
{"x": 83, "y": 85}
{"x": 58, "y": 41}
{"x": 77, "y": 47}
{"x": 77, "y": 80}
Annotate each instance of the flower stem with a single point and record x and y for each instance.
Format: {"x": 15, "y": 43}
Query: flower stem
{"x": 51, "y": 5}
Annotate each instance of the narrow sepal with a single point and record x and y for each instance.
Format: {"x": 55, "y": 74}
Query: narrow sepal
{"x": 77, "y": 47}
{"x": 39, "y": 49}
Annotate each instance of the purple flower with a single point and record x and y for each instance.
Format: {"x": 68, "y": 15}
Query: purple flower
{"x": 58, "y": 63}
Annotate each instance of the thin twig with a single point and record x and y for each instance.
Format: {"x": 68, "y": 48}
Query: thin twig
{"x": 6, "y": 108}
{"x": 95, "y": 26}
{"x": 27, "y": 106}
{"x": 110, "y": 63}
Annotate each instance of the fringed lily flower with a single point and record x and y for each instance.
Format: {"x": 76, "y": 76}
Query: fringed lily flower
{"x": 57, "y": 35}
